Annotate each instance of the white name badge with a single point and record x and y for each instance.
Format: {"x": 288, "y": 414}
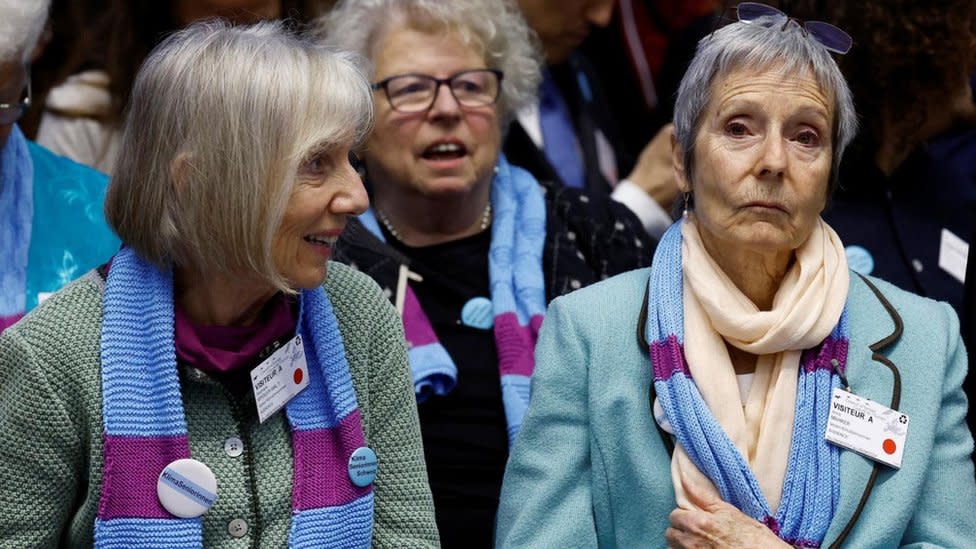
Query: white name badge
{"x": 279, "y": 378}
{"x": 953, "y": 253}
{"x": 866, "y": 427}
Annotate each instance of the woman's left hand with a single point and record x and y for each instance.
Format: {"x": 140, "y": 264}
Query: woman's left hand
{"x": 715, "y": 524}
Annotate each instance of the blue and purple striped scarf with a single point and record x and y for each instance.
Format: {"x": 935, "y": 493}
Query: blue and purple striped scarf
{"x": 145, "y": 428}
{"x": 811, "y": 487}
{"x": 16, "y": 217}
{"x": 518, "y": 297}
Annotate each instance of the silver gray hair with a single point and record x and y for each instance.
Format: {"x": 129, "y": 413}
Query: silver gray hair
{"x": 761, "y": 44}
{"x": 21, "y": 23}
{"x": 219, "y": 121}
{"x": 496, "y": 27}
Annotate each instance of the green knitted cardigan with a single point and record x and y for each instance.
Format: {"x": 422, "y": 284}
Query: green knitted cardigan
{"x": 51, "y": 428}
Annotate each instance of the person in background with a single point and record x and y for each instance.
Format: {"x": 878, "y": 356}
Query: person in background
{"x": 641, "y": 56}
{"x": 109, "y": 40}
{"x": 51, "y": 225}
{"x": 906, "y": 203}
{"x": 569, "y": 134}
{"x": 469, "y": 246}
{"x": 220, "y": 382}
{"x": 738, "y": 415}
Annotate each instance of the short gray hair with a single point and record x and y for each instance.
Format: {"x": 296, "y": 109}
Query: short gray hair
{"x": 763, "y": 44}
{"x": 219, "y": 121}
{"x": 21, "y": 23}
{"x": 495, "y": 26}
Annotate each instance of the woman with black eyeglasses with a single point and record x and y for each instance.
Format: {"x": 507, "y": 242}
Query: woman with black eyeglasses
{"x": 51, "y": 225}
{"x": 748, "y": 390}
{"x": 469, "y": 247}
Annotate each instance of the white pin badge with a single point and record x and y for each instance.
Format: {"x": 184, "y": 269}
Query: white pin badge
{"x": 187, "y": 488}
{"x": 362, "y": 466}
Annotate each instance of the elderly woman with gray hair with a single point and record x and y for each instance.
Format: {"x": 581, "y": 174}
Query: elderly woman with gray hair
{"x": 771, "y": 398}
{"x": 220, "y": 381}
{"x": 469, "y": 247}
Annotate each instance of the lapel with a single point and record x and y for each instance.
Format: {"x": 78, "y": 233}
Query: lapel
{"x": 361, "y": 249}
{"x": 521, "y": 151}
{"x": 874, "y": 327}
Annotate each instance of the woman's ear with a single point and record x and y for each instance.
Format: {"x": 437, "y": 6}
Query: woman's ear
{"x": 678, "y": 165}
{"x": 179, "y": 170}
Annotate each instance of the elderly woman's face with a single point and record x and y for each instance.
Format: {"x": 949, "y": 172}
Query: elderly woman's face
{"x": 762, "y": 161}
{"x": 447, "y": 149}
{"x": 327, "y": 191}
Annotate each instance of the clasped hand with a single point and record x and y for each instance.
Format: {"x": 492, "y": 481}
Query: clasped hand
{"x": 715, "y": 524}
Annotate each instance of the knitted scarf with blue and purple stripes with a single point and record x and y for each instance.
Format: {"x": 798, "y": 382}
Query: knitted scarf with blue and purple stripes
{"x": 16, "y": 218}
{"x": 518, "y": 297}
{"x": 811, "y": 487}
{"x": 145, "y": 428}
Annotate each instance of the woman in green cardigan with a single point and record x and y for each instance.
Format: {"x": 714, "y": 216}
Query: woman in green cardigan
{"x": 220, "y": 381}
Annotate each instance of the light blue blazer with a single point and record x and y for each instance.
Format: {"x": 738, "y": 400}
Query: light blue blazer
{"x": 590, "y": 468}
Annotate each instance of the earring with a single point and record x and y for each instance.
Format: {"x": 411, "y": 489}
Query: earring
{"x": 687, "y": 198}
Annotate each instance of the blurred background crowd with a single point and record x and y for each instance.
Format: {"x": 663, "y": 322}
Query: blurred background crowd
{"x": 593, "y": 128}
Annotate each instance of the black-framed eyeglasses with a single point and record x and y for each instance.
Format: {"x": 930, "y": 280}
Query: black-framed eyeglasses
{"x": 11, "y": 112}
{"x": 831, "y": 37}
{"x": 417, "y": 92}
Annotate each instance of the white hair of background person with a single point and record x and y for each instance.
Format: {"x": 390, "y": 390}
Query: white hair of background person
{"x": 758, "y": 45}
{"x": 21, "y": 23}
{"x": 496, "y": 27}
{"x": 219, "y": 121}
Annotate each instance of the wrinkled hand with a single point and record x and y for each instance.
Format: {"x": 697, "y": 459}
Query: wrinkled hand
{"x": 653, "y": 172}
{"x": 716, "y": 524}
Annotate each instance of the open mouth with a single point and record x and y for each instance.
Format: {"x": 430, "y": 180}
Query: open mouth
{"x": 320, "y": 240}
{"x": 445, "y": 151}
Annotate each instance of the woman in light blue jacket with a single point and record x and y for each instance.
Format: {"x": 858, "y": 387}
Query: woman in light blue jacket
{"x": 748, "y": 390}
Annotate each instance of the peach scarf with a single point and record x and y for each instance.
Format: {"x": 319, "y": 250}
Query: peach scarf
{"x": 805, "y": 309}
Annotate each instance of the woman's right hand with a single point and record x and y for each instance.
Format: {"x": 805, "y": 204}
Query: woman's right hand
{"x": 715, "y": 524}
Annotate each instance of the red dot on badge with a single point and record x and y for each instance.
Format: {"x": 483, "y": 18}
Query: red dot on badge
{"x": 889, "y": 446}
{"x": 299, "y": 374}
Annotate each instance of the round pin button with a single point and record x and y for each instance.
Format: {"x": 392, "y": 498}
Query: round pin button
{"x": 187, "y": 488}
{"x": 234, "y": 447}
{"x": 477, "y": 313}
{"x": 362, "y": 466}
{"x": 859, "y": 259}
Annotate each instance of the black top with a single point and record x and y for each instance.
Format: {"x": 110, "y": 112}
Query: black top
{"x": 589, "y": 237}
{"x": 899, "y": 219}
{"x": 464, "y": 433}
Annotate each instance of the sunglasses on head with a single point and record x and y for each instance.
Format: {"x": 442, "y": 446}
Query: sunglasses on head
{"x": 829, "y": 36}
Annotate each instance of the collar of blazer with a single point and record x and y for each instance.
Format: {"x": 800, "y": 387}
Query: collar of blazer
{"x": 870, "y": 374}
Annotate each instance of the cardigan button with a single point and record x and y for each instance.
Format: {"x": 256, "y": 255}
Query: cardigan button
{"x": 234, "y": 447}
{"x": 237, "y": 528}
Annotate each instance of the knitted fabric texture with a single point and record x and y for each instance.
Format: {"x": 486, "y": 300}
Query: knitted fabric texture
{"x": 517, "y": 295}
{"x": 16, "y": 214}
{"x": 51, "y": 464}
{"x": 145, "y": 427}
{"x": 811, "y": 487}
